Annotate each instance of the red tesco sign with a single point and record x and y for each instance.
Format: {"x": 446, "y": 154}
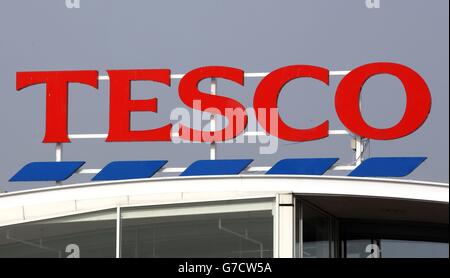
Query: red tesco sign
{"x": 418, "y": 101}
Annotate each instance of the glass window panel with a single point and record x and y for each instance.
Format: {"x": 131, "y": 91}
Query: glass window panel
{"x": 86, "y": 235}
{"x": 396, "y": 240}
{"x": 413, "y": 249}
{"x": 198, "y": 231}
{"x": 316, "y": 233}
{"x": 361, "y": 248}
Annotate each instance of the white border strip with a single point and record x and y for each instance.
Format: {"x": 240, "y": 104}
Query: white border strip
{"x": 173, "y": 134}
{"x": 248, "y": 74}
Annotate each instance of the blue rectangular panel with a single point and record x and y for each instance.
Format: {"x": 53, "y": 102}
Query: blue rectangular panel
{"x": 125, "y": 170}
{"x": 47, "y": 171}
{"x": 387, "y": 166}
{"x": 217, "y": 167}
{"x": 302, "y": 166}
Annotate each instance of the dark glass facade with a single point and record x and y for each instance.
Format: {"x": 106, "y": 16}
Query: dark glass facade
{"x": 231, "y": 229}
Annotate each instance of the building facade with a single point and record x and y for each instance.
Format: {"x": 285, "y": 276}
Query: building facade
{"x": 235, "y": 216}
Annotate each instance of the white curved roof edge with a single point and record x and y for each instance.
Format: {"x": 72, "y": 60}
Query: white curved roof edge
{"x": 45, "y": 203}
{"x": 76, "y": 185}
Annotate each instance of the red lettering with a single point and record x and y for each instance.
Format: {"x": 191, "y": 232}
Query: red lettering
{"x": 121, "y": 105}
{"x": 418, "y": 101}
{"x": 188, "y": 91}
{"x": 266, "y": 99}
{"x": 265, "y": 102}
{"x": 56, "y": 130}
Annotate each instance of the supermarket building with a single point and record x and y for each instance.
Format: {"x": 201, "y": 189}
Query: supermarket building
{"x": 228, "y": 208}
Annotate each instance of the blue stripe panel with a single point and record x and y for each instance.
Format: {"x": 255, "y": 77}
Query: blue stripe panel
{"x": 47, "y": 171}
{"x": 302, "y": 166}
{"x": 216, "y": 167}
{"x": 387, "y": 166}
{"x": 125, "y": 170}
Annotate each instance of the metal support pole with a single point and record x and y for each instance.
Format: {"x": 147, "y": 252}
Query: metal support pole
{"x": 118, "y": 233}
{"x": 300, "y": 231}
{"x": 359, "y": 144}
{"x": 58, "y": 152}
{"x": 359, "y": 150}
{"x": 59, "y": 156}
{"x": 212, "y": 146}
{"x": 285, "y": 226}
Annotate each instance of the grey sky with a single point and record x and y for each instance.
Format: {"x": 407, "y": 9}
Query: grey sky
{"x": 254, "y": 35}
